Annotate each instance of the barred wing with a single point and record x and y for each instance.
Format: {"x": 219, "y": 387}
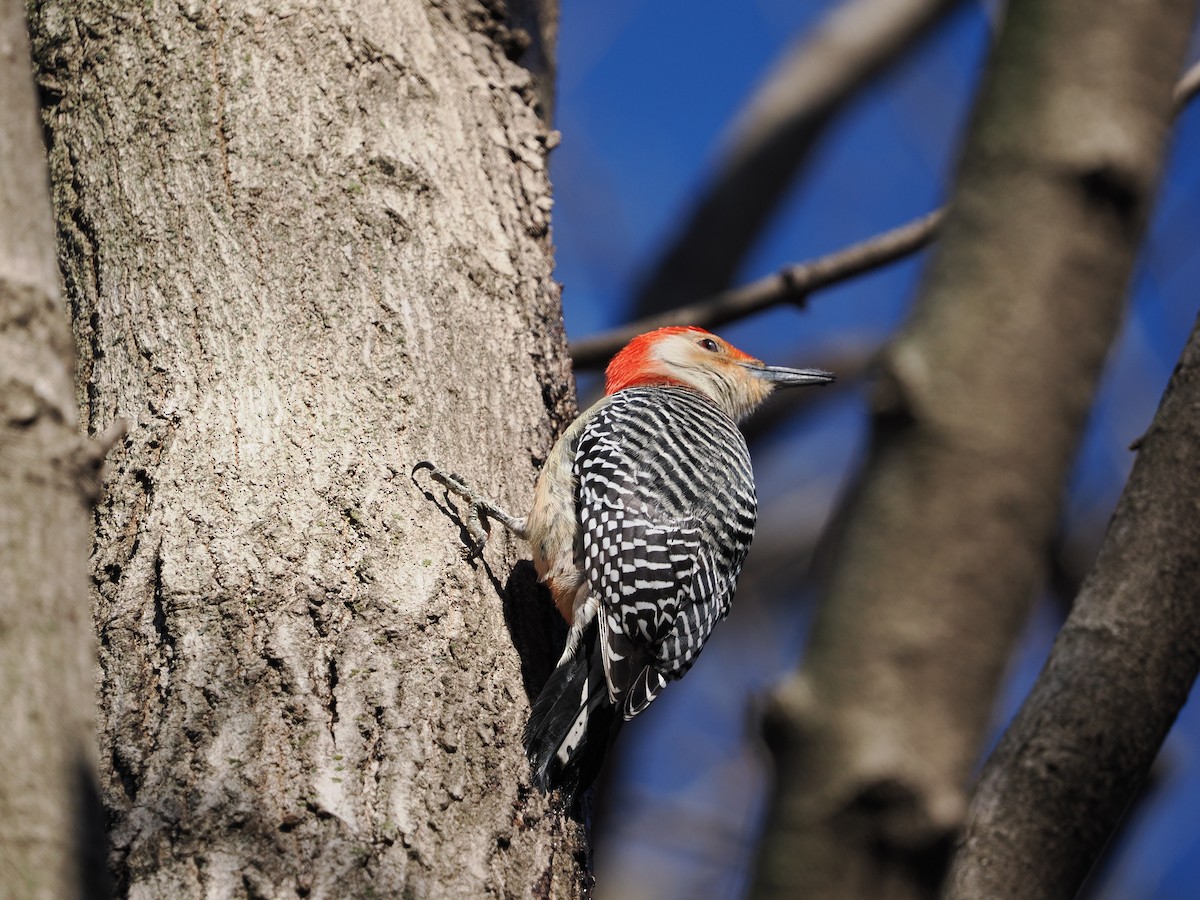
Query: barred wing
{"x": 666, "y": 501}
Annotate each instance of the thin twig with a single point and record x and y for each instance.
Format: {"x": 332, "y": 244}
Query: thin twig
{"x": 790, "y": 285}
{"x": 815, "y": 79}
{"x": 794, "y": 283}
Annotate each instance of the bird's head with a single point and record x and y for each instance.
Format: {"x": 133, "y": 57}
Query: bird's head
{"x": 695, "y": 358}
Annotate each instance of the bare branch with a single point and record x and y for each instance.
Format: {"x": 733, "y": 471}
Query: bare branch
{"x": 977, "y": 414}
{"x": 1058, "y": 783}
{"x": 792, "y": 284}
{"x": 820, "y": 74}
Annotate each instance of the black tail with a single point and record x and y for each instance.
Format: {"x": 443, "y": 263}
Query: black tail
{"x": 572, "y": 722}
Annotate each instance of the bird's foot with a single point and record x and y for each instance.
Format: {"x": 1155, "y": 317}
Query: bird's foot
{"x": 477, "y": 506}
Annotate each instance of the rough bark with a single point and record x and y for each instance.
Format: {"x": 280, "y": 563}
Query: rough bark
{"x": 817, "y": 77}
{"x": 534, "y": 42}
{"x": 977, "y": 415}
{"x": 50, "y": 829}
{"x": 305, "y": 246}
{"x": 1058, "y": 783}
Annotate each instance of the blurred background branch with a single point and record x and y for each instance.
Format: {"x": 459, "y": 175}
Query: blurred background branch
{"x": 1187, "y": 88}
{"x": 648, "y": 76}
{"x": 52, "y": 839}
{"x": 792, "y": 284}
{"x": 818, "y": 76}
{"x": 977, "y": 417}
{"x": 1067, "y": 768}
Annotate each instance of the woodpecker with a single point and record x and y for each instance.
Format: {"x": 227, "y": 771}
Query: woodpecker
{"x": 642, "y": 516}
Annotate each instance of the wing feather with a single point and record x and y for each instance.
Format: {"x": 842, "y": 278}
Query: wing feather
{"x": 662, "y": 558}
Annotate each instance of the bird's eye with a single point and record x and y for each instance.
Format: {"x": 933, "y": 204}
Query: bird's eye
{"x": 709, "y": 344}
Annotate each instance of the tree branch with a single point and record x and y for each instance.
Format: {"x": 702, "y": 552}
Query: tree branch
{"x": 792, "y": 284}
{"x": 1060, "y": 779}
{"x": 822, "y": 72}
{"x": 977, "y": 416}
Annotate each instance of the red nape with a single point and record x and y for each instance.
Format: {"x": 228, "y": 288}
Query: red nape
{"x": 634, "y": 366}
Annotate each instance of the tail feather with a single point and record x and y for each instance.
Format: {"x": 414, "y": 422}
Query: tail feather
{"x": 645, "y": 688}
{"x": 572, "y": 722}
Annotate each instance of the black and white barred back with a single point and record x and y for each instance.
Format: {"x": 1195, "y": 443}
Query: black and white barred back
{"x": 666, "y": 504}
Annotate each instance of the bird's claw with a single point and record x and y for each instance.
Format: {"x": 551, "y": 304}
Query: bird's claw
{"x": 476, "y": 521}
{"x": 449, "y": 480}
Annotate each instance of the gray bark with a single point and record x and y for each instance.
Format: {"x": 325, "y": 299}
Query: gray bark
{"x": 51, "y": 835}
{"x": 1058, "y": 783}
{"x": 305, "y": 246}
{"x": 977, "y": 416}
{"x": 534, "y": 41}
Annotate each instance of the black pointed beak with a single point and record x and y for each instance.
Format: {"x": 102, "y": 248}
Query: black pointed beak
{"x": 782, "y": 376}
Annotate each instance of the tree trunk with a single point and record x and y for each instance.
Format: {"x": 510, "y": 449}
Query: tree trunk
{"x": 978, "y": 413}
{"x": 50, "y": 829}
{"x": 306, "y": 246}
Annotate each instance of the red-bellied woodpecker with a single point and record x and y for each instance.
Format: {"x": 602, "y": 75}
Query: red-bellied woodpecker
{"x": 641, "y": 518}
